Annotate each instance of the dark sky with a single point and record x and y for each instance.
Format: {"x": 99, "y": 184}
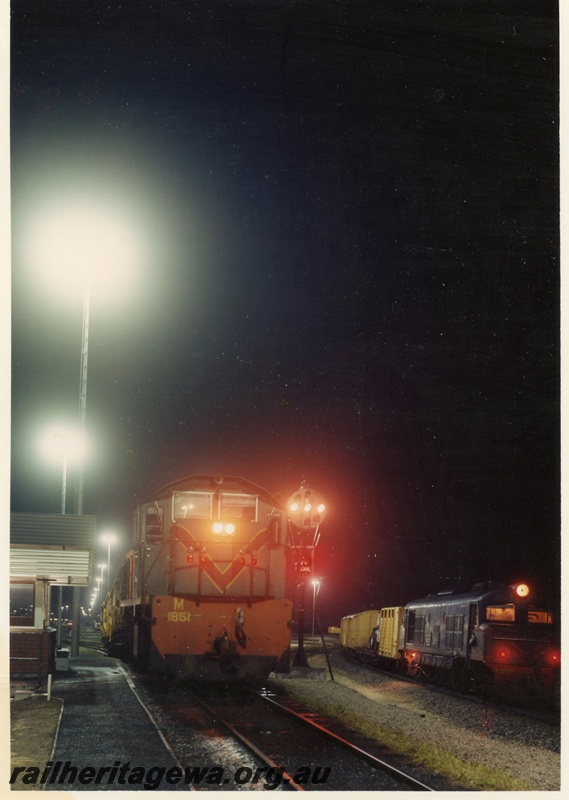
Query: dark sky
{"x": 348, "y": 217}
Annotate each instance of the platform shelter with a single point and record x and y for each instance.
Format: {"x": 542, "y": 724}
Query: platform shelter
{"x": 45, "y": 550}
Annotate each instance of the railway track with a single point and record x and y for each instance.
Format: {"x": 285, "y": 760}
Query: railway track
{"x": 282, "y": 734}
{"x": 551, "y": 717}
{"x": 289, "y": 748}
{"x": 308, "y": 718}
{"x": 247, "y": 740}
{"x": 213, "y": 754}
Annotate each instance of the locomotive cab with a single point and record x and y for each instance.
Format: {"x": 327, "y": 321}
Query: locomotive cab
{"x": 492, "y": 639}
{"x": 517, "y": 642}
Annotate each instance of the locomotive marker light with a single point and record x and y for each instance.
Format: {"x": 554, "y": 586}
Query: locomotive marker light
{"x": 307, "y": 510}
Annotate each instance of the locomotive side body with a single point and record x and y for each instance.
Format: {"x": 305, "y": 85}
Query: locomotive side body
{"x": 436, "y": 635}
{"x": 204, "y": 594}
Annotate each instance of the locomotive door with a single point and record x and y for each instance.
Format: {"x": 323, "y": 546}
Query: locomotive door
{"x": 470, "y": 636}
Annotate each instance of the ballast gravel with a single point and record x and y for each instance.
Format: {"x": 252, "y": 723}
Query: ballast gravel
{"x": 526, "y": 748}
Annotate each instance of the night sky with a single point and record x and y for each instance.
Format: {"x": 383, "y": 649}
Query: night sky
{"x": 348, "y": 225}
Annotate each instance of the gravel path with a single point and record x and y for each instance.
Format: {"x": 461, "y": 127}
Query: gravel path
{"x": 525, "y": 748}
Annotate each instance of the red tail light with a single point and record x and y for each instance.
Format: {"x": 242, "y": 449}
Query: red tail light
{"x": 552, "y": 658}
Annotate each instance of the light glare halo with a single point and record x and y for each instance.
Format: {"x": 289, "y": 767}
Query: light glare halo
{"x": 62, "y": 441}
{"x": 79, "y": 244}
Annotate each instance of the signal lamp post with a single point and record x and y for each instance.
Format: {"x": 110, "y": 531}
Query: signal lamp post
{"x": 307, "y": 511}
{"x": 315, "y": 590}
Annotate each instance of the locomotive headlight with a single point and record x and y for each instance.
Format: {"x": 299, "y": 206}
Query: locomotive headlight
{"x": 522, "y": 590}
{"x": 227, "y": 528}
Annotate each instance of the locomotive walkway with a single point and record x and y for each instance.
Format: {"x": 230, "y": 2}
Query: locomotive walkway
{"x": 106, "y": 739}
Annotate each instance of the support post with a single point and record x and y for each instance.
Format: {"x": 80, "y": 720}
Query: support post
{"x": 300, "y": 659}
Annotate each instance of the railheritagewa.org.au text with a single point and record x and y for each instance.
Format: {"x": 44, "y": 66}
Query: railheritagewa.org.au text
{"x": 59, "y": 773}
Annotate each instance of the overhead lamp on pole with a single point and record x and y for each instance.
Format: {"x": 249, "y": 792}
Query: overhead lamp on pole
{"x": 83, "y": 386}
{"x": 102, "y": 566}
{"x": 64, "y": 444}
{"x": 83, "y": 241}
{"x": 109, "y": 539}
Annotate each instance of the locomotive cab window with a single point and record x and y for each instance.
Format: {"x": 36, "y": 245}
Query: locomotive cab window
{"x": 154, "y": 525}
{"x": 192, "y": 505}
{"x": 238, "y": 506}
{"x": 501, "y": 613}
{"x": 539, "y": 616}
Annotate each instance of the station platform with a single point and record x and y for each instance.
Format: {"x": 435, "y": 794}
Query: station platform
{"x": 106, "y": 740}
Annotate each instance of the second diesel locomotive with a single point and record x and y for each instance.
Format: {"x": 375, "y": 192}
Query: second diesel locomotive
{"x": 205, "y": 592}
{"x": 492, "y": 639}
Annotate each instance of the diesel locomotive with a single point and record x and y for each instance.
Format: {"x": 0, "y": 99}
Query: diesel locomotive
{"x": 205, "y": 591}
{"x": 494, "y": 639}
